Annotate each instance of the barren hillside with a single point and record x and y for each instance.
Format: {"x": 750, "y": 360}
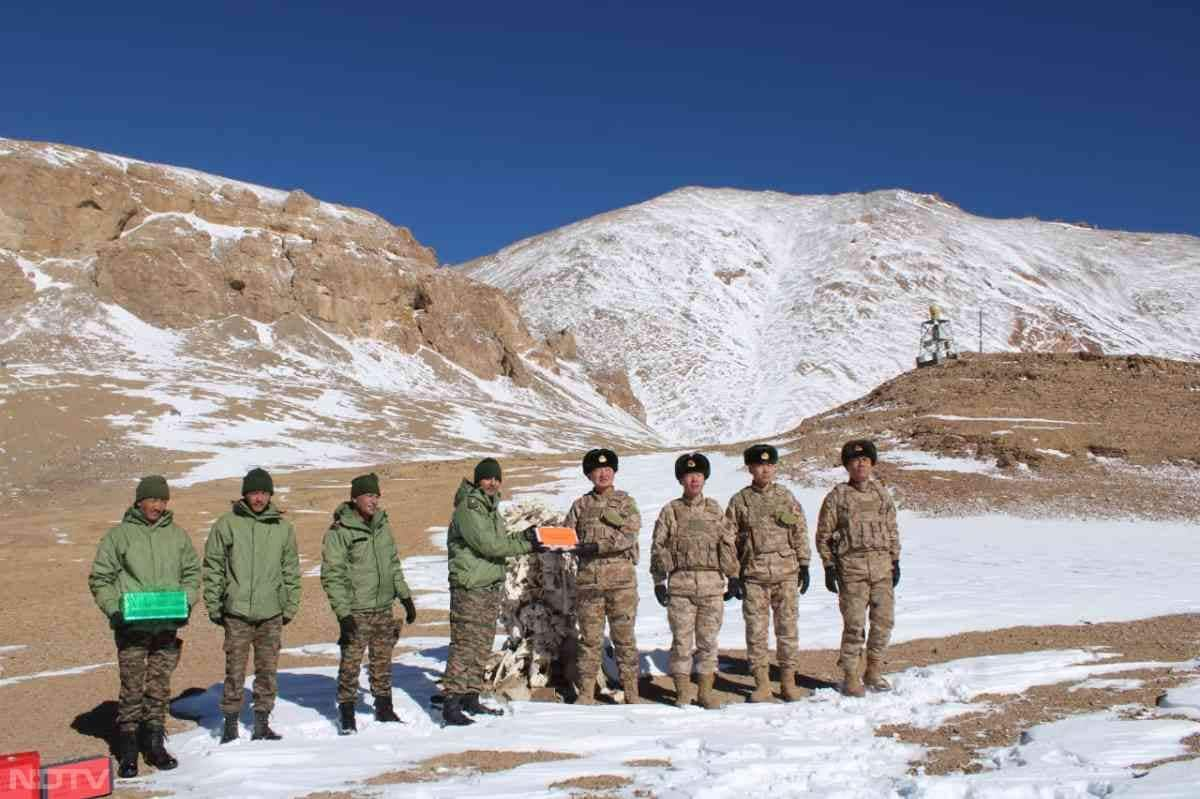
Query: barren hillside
{"x": 1030, "y": 434}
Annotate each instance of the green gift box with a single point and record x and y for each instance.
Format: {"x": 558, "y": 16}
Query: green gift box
{"x": 154, "y": 605}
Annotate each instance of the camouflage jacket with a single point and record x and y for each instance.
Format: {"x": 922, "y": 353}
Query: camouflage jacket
{"x": 856, "y": 521}
{"x": 772, "y": 536}
{"x": 610, "y": 520}
{"x": 694, "y": 546}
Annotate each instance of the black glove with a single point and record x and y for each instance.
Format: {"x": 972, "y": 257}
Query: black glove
{"x": 348, "y": 627}
{"x": 287, "y": 620}
{"x": 805, "y": 579}
{"x": 410, "y": 610}
{"x": 117, "y": 619}
{"x": 530, "y": 535}
{"x": 217, "y": 619}
{"x": 895, "y": 573}
{"x": 588, "y": 550}
{"x": 660, "y": 593}
{"x": 734, "y": 590}
{"x": 831, "y": 579}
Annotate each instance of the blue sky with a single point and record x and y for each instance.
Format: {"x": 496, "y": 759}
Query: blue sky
{"x": 476, "y": 125}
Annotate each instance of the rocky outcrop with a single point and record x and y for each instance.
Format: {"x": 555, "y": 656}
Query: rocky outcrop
{"x": 177, "y": 247}
{"x": 14, "y": 286}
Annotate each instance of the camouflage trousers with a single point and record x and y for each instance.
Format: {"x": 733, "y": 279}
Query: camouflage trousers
{"x": 762, "y": 600}
{"x": 695, "y": 625}
{"x": 865, "y": 586}
{"x": 473, "y": 614}
{"x": 376, "y": 633}
{"x": 264, "y": 636}
{"x": 145, "y": 661}
{"x": 619, "y": 605}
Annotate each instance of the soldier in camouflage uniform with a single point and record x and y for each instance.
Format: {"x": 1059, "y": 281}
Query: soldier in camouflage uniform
{"x": 252, "y": 589}
{"x": 859, "y": 545}
{"x": 772, "y": 543}
{"x": 607, "y": 523}
{"x": 147, "y": 551}
{"x": 478, "y": 543}
{"x": 693, "y": 557}
{"x": 362, "y": 576}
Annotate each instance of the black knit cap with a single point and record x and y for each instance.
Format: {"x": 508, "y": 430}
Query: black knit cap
{"x": 151, "y": 487}
{"x": 597, "y": 458}
{"x": 760, "y": 453}
{"x": 488, "y": 468}
{"x": 858, "y": 448}
{"x": 257, "y": 480}
{"x": 692, "y": 462}
{"x": 364, "y": 484}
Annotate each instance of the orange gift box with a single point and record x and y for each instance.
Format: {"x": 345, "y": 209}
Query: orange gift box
{"x": 563, "y": 537}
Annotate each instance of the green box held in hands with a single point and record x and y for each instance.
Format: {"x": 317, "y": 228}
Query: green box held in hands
{"x": 154, "y": 605}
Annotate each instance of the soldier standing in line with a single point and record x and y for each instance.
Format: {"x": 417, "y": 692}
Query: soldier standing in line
{"x": 147, "y": 551}
{"x": 362, "y": 576}
{"x": 252, "y": 589}
{"x": 607, "y": 523}
{"x": 772, "y": 543}
{"x": 693, "y": 559}
{"x": 478, "y": 544}
{"x": 859, "y": 544}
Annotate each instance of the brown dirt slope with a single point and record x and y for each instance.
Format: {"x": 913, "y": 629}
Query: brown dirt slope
{"x": 1074, "y": 434}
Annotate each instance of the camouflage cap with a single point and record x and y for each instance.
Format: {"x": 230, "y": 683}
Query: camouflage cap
{"x": 760, "y": 453}
{"x": 692, "y": 462}
{"x": 597, "y": 458}
{"x": 859, "y": 448}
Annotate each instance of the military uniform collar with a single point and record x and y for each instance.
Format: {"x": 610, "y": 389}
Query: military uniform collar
{"x": 762, "y": 490}
{"x": 863, "y": 486}
{"x": 691, "y": 503}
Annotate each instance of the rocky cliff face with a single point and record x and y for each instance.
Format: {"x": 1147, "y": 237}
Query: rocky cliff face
{"x": 177, "y": 248}
{"x": 208, "y": 293}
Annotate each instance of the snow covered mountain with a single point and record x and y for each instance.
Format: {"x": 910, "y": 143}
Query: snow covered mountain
{"x": 736, "y": 314}
{"x": 154, "y": 318}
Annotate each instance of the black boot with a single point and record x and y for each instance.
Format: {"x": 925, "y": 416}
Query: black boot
{"x": 452, "y": 713}
{"x": 346, "y": 723}
{"x": 127, "y": 753}
{"x": 383, "y": 709}
{"x": 471, "y": 704}
{"x": 262, "y": 730}
{"x": 229, "y": 732}
{"x": 153, "y": 751}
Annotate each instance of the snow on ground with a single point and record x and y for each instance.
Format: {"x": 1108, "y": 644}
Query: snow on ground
{"x": 58, "y": 673}
{"x": 960, "y": 574}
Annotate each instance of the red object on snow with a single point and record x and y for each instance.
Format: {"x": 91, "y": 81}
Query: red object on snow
{"x": 86, "y": 778}
{"x": 20, "y": 776}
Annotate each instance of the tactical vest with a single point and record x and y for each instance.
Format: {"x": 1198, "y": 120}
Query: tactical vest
{"x": 603, "y": 519}
{"x": 862, "y": 519}
{"x": 695, "y": 542}
{"x": 771, "y": 522}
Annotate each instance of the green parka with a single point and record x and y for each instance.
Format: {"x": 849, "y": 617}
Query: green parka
{"x": 139, "y": 556}
{"x": 251, "y": 566}
{"x": 360, "y": 569}
{"x": 477, "y": 541}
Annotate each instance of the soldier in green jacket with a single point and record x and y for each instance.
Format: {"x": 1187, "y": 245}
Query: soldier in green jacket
{"x": 252, "y": 589}
{"x": 478, "y": 545}
{"x": 362, "y": 576}
{"x": 147, "y": 551}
